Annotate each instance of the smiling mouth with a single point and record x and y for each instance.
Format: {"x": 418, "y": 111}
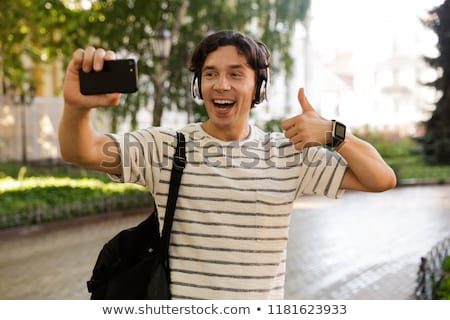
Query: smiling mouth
{"x": 223, "y": 103}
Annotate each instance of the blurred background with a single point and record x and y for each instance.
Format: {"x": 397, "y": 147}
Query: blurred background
{"x": 380, "y": 67}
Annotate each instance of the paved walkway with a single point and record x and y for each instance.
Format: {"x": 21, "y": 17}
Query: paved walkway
{"x": 362, "y": 246}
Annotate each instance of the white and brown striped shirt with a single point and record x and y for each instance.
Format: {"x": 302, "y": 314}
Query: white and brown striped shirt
{"x": 232, "y": 218}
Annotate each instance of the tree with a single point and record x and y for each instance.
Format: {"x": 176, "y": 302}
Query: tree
{"x": 60, "y": 26}
{"x": 436, "y": 142}
{"x": 128, "y": 26}
{"x": 35, "y": 32}
{"x": 271, "y": 21}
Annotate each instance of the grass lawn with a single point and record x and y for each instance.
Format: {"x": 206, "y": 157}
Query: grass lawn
{"x": 33, "y": 195}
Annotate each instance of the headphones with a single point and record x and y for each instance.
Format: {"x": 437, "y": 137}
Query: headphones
{"x": 196, "y": 90}
{"x": 261, "y": 87}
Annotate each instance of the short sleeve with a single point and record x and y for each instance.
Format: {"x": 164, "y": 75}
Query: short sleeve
{"x": 323, "y": 172}
{"x": 133, "y": 159}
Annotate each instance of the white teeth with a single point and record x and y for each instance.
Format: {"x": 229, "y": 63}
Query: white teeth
{"x": 223, "y": 101}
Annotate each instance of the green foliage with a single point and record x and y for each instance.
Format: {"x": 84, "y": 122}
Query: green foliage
{"x": 403, "y": 154}
{"x": 61, "y": 193}
{"x": 46, "y": 29}
{"x": 18, "y": 171}
{"x": 273, "y": 125}
{"x": 441, "y": 290}
{"x": 446, "y": 264}
{"x": 390, "y": 145}
{"x": 436, "y": 143}
{"x": 200, "y": 114}
{"x": 47, "y": 192}
{"x": 38, "y": 30}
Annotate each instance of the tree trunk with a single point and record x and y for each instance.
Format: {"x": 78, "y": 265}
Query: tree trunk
{"x": 161, "y": 65}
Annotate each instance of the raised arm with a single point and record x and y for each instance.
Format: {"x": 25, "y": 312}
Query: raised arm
{"x": 79, "y": 142}
{"x": 367, "y": 171}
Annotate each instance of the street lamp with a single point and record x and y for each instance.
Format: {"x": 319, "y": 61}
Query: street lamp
{"x": 161, "y": 43}
{"x": 22, "y": 100}
{"x": 26, "y": 101}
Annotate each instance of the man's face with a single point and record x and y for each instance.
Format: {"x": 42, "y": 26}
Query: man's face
{"x": 228, "y": 89}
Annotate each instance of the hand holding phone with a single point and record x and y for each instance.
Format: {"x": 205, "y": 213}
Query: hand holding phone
{"x": 117, "y": 76}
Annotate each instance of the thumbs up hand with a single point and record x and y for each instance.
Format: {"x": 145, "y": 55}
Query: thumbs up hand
{"x": 308, "y": 128}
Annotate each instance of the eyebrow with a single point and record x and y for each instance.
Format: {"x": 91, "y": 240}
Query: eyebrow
{"x": 233, "y": 66}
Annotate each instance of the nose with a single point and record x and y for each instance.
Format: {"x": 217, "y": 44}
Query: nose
{"x": 222, "y": 83}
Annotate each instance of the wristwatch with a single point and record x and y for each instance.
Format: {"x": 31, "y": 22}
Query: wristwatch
{"x": 337, "y": 135}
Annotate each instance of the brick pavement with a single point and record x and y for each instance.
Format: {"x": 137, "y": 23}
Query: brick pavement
{"x": 55, "y": 261}
{"x": 363, "y": 246}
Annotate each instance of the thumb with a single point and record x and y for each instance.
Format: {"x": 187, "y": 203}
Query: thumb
{"x": 304, "y": 103}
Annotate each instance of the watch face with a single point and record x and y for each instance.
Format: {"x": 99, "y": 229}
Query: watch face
{"x": 340, "y": 130}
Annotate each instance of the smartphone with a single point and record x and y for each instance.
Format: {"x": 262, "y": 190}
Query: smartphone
{"x": 116, "y": 76}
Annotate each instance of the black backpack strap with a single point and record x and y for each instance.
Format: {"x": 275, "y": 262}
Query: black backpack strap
{"x": 179, "y": 162}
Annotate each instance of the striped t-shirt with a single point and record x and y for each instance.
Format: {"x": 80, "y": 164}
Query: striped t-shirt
{"x": 231, "y": 222}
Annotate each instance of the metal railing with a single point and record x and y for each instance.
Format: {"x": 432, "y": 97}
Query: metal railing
{"x": 430, "y": 270}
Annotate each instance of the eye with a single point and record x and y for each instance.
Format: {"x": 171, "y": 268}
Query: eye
{"x": 209, "y": 74}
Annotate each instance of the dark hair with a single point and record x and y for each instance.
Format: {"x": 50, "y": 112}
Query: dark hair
{"x": 256, "y": 53}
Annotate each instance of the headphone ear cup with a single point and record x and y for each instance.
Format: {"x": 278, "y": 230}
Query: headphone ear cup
{"x": 262, "y": 91}
{"x": 195, "y": 88}
{"x": 263, "y": 88}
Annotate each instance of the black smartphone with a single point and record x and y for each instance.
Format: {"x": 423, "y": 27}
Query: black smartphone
{"x": 116, "y": 76}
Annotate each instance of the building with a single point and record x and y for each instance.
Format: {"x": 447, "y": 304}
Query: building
{"x": 29, "y": 125}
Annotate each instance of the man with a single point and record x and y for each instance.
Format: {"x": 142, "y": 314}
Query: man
{"x": 231, "y": 224}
